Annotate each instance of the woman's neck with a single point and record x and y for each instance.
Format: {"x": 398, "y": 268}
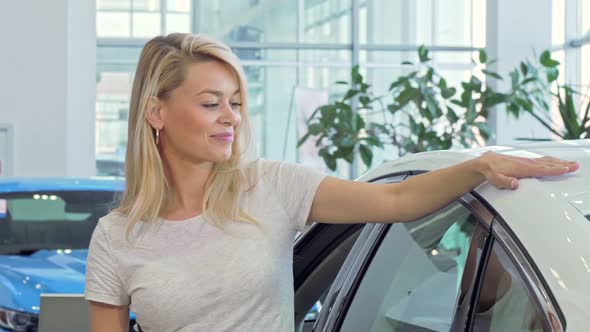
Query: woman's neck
{"x": 188, "y": 180}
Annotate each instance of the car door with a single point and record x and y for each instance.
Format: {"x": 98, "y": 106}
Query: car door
{"x": 416, "y": 276}
{"x": 511, "y": 295}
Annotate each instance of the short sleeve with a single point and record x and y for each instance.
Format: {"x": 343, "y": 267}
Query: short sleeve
{"x": 295, "y": 187}
{"x": 103, "y": 283}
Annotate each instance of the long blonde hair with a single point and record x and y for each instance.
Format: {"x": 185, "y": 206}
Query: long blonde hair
{"x": 161, "y": 69}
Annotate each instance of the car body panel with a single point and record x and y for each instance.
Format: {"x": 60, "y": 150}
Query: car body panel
{"x": 8, "y": 185}
{"x": 548, "y": 220}
{"x": 46, "y": 271}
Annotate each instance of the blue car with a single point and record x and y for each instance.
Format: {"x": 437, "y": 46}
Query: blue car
{"x": 45, "y": 229}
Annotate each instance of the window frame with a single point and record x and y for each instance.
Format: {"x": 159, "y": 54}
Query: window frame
{"x": 348, "y": 280}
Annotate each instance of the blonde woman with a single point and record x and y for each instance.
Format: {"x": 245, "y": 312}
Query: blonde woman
{"x": 202, "y": 240}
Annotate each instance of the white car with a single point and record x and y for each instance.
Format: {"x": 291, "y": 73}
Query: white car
{"x": 494, "y": 260}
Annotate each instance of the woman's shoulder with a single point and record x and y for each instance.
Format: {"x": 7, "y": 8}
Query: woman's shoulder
{"x": 113, "y": 223}
{"x": 263, "y": 166}
{"x": 262, "y": 169}
{"x": 117, "y": 229}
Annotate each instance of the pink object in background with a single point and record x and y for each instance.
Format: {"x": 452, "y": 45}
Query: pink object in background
{"x": 306, "y": 102}
{"x": 2, "y": 208}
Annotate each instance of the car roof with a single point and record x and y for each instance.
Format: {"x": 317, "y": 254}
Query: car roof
{"x": 9, "y": 185}
{"x": 546, "y": 215}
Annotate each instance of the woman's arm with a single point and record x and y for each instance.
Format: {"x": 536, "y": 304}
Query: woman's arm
{"x": 108, "y": 318}
{"x": 341, "y": 201}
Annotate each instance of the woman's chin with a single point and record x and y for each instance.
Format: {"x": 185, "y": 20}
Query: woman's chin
{"x": 224, "y": 156}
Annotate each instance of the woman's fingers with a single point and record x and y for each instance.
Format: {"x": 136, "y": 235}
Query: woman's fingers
{"x": 572, "y": 165}
{"x": 535, "y": 169}
{"x": 505, "y": 170}
{"x": 502, "y": 181}
{"x": 550, "y": 170}
{"x": 553, "y": 166}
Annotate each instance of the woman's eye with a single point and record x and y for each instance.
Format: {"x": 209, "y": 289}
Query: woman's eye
{"x": 210, "y": 105}
{"x": 235, "y": 105}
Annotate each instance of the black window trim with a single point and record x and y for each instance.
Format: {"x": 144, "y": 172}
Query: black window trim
{"x": 463, "y": 321}
{"x": 340, "y": 299}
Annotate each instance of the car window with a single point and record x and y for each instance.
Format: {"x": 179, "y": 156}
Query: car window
{"x": 50, "y": 220}
{"x": 413, "y": 281}
{"x": 43, "y": 208}
{"x": 505, "y": 303}
{"x": 56, "y": 205}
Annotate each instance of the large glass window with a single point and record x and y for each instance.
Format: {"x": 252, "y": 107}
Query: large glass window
{"x": 586, "y": 48}
{"x": 250, "y": 20}
{"x": 585, "y": 80}
{"x": 558, "y": 20}
{"x": 403, "y": 22}
{"x": 571, "y": 37}
{"x": 414, "y": 281}
{"x": 113, "y": 18}
{"x": 585, "y": 15}
{"x": 113, "y": 88}
{"x": 283, "y": 45}
{"x": 327, "y": 21}
{"x": 571, "y": 47}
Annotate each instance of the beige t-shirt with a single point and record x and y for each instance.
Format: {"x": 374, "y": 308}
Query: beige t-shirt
{"x": 192, "y": 276}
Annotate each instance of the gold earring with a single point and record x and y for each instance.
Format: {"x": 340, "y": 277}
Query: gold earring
{"x": 157, "y": 136}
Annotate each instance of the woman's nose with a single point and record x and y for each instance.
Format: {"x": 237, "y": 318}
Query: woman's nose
{"x": 229, "y": 115}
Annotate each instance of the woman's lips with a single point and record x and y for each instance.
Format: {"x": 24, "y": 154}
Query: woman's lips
{"x": 226, "y": 137}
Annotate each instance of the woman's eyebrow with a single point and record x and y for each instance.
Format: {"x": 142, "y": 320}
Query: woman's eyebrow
{"x": 216, "y": 92}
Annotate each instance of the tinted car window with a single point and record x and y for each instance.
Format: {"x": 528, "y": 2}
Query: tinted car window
{"x": 44, "y": 208}
{"x": 505, "y": 303}
{"x": 413, "y": 281}
{"x": 50, "y": 220}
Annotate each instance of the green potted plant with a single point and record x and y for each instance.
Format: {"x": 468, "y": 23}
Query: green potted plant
{"x": 539, "y": 89}
{"x": 419, "y": 112}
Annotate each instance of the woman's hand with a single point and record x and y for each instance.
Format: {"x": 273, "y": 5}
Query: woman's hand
{"x": 502, "y": 171}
